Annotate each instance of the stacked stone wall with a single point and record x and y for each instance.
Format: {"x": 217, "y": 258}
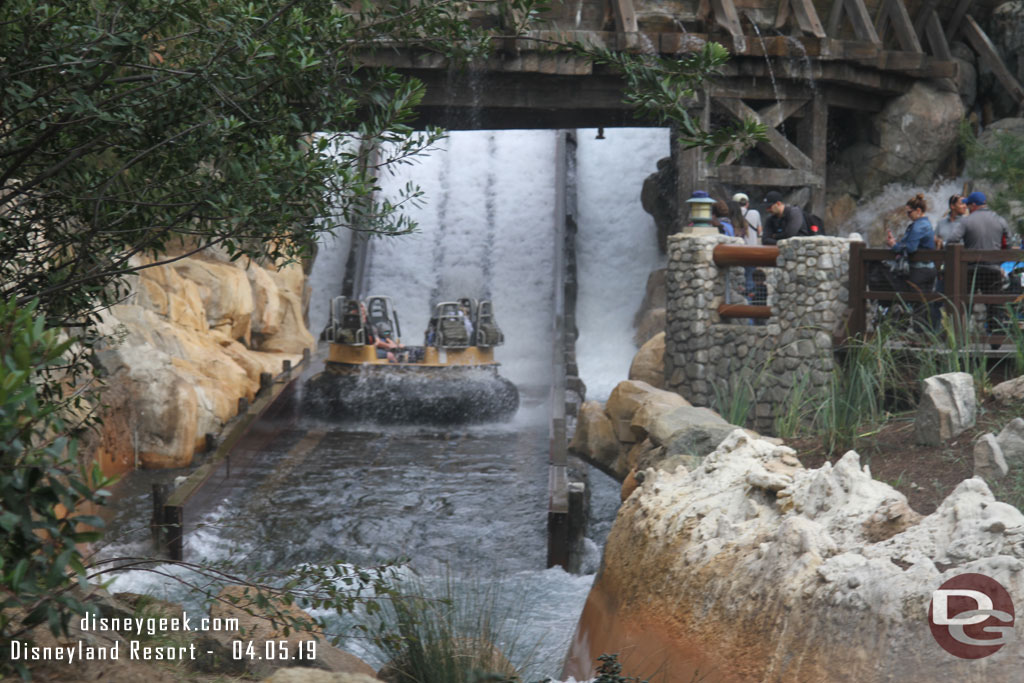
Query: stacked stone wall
{"x": 704, "y": 352}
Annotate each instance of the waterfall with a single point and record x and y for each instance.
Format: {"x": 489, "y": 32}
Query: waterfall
{"x": 616, "y": 249}
{"x": 486, "y": 230}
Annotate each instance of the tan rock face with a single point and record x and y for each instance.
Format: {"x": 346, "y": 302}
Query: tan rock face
{"x": 179, "y": 352}
{"x": 750, "y": 568}
{"x": 649, "y": 362}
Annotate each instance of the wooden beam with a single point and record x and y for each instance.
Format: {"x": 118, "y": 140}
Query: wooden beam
{"x": 894, "y": 14}
{"x": 777, "y": 146}
{"x": 818, "y": 150}
{"x": 625, "y": 21}
{"x": 835, "y": 16}
{"x": 774, "y": 115}
{"x": 753, "y": 175}
{"x": 987, "y": 51}
{"x": 956, "y": 19}
{"x": 625, "y": 16}
{"x": 937, "y": 38}
{"x": 848, "y": 98}
{"x": 727, "y": 17}
{"x": 863, "y": 27}
{"x": 922, "y": 17}
{"x": 781, "y": 14}
{"x": 807, "y": 18}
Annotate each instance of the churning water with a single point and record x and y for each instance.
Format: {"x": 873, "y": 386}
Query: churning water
{"x": 467, "y": 501}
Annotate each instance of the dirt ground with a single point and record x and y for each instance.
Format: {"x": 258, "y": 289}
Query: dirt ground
{"x": 924, "y": 474}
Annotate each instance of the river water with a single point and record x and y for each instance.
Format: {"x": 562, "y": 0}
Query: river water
{"x": 466, "y": 502}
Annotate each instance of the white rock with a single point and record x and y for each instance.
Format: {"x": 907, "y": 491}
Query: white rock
{"x": 948, "y": 407}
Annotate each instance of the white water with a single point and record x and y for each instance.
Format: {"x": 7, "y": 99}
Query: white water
{"x": 871, "y": 213}
{"x": 616, "y": 249}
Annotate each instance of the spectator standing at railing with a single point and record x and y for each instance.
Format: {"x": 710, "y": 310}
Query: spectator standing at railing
{"x": 948, "y": 223}
{"x": 785, "y": 220}
{"x": 983, "y": 228}
{"x": 918, "y": 235}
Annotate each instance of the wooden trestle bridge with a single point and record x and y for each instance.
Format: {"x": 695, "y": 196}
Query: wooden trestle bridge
{"x": 793, "y": 61}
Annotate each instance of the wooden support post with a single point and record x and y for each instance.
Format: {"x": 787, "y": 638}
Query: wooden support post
{"x": 306, "y": 355}
{"x": 266, "y": 383}
{"x": 955, "y": 279}
{"x": 577, "y": 526}
{"x": 987, "y": 51}
{"x": 860, "y": 20}
{"x": 818, "y": 151}
{"x": 286, "y": 367}
{"x": 858, "y": 283}
{"x": 727, "y": 17}
{"x": 807, "y": 17}
{"x": 937, "y": 42}
{"x": 558, "y": 517}
{"x": 625, "y": 22}
{"x": 174, "y": 528}
{"x": 894, "y": 15}
{"x": 691, "y": 168}
{"x": 156, "y": 522}
{"x": 956, "y": 19}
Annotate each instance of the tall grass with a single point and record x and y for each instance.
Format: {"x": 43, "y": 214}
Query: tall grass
{"x": 455, "y": 632}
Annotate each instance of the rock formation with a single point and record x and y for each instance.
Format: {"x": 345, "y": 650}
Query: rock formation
{"x": 192, "y": 339}
{"x": 750, "y": 568}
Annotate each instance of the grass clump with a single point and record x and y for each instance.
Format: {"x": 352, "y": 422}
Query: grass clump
{"x": 457, "y": 632}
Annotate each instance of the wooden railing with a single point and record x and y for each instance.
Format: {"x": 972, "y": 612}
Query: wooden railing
{"x": 957, "y": 294}
{"x": 725, "y": 255}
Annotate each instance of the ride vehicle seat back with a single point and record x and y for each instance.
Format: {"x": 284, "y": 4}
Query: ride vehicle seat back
{"x": 451, "y": 326}
{"x": 487, "y": 331}
{"x": 349, "y": 328}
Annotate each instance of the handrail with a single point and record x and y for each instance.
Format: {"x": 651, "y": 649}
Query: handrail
{"x": 954, "y": 260}
{"x": 744, "y": 255}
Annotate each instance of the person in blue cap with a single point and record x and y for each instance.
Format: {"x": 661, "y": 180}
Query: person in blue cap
{"x": 982, "y": 228}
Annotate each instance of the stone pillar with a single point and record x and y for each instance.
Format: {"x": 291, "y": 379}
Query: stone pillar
{"x": 808, "y": 297}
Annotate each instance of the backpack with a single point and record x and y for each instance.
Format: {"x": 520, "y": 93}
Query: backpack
{"x": 813, "y": 226}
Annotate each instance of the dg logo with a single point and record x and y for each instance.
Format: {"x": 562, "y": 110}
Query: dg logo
{"x": 971, "y": 616}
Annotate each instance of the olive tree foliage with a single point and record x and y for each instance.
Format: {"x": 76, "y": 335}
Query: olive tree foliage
{"x": 137, "y": 132}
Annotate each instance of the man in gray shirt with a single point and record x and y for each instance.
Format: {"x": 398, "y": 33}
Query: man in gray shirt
{"x": 982, "y": 229}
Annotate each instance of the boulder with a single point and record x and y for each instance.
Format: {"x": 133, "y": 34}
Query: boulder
{"x": 664, "y": 427}
{"x": 947, "y": 408}
{"x": 659, "y": 198}
{"x": 1011, "y": 443}
{"x": 649, "y": 362}
{"x": 653, "y": 406}
{"x": 1010, "y": 392}
{"x": 989, "y": 463}
{"x": 895, "y": 152}
{"x": 627, "y": 396}
{"x": 595, "y": 439}
{"x": 703, "y": 568}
